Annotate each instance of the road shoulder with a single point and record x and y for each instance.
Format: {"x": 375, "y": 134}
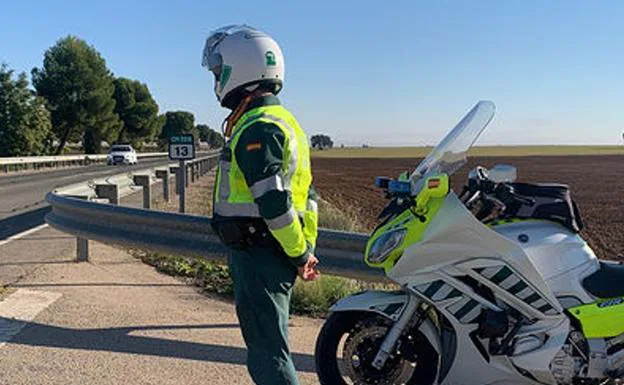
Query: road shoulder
{"x": 117, "y": 320}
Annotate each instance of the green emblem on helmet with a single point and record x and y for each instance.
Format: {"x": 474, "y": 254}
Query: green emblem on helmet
{"x": 270, "y": 59}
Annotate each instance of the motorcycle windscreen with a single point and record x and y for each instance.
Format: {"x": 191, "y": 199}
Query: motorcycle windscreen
{"x": 450, "y": 154}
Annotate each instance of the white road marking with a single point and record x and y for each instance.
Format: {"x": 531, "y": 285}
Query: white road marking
{"x": 23, "y": 234}
{"x": 20, "y": 308}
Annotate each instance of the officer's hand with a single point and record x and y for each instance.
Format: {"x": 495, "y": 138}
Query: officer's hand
{"x": 308, "y": 271}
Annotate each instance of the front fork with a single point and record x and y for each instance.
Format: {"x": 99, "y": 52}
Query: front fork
{"x": 397, "y": 330}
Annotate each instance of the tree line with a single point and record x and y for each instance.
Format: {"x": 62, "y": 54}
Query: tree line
{"x": 76, "y": 98}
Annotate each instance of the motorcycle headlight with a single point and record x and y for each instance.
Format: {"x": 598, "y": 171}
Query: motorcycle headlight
{"x": 385, "y": 244}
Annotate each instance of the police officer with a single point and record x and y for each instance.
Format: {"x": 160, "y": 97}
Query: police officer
{"x": 264, "y": 206}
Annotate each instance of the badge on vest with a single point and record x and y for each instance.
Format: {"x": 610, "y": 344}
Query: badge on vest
{"x": 254, "y": 146}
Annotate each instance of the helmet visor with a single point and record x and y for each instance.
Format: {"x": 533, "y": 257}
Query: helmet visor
{"x": 212, "y": 58}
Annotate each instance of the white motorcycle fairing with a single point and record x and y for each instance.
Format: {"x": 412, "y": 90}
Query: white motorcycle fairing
{"x": 457, "y": 248}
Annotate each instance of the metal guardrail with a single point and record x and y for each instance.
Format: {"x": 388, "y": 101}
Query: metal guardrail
{"x": 75, "y": 211}
{"x": 13, "y": 164}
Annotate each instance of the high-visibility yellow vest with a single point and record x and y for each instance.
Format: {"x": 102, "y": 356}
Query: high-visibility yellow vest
{"x": 233, "y": 198}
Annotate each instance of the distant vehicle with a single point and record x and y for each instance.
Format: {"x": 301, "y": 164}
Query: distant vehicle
{"x": 124, "y": 154}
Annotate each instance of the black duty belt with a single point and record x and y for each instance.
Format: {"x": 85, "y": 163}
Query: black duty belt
{"x": 243, "y": 233}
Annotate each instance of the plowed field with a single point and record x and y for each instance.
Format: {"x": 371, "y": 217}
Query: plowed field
{"x": 596, "y": 182}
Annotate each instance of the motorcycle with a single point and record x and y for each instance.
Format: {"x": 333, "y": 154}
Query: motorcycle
{"x": 496, "y": 284}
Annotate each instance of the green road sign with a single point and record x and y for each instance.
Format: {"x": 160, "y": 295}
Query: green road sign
{"x": 182, "y": 147}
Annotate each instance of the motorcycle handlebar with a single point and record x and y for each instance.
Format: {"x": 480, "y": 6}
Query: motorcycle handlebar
{"x": 503, "y": 192}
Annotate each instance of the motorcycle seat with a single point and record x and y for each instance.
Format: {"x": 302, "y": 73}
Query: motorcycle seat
{"x": 606, "y": 282}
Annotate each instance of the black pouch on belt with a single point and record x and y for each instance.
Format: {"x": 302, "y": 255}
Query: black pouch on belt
{"x": 242, "y": 233}
{"x": 230, "y": 233}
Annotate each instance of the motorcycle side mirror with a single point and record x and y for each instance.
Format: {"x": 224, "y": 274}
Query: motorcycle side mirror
{"x": 503, "y": 173}
{"x": 478, "y": 173}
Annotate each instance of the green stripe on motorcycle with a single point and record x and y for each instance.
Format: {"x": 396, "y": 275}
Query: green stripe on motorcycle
{"x": 518, "y": 287}
{"x": 466, "y": 309}
{"x": 433, "y": 288}
{"x": 502, "y": 275}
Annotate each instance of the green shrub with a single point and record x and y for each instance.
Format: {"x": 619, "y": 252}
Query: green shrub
{"x": 315, "y": 298}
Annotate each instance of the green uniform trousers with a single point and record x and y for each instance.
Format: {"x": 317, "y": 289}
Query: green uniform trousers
{"x": 263, "y": 282}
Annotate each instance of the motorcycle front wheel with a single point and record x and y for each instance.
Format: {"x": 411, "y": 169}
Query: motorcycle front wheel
{"x": 349, "y": 342}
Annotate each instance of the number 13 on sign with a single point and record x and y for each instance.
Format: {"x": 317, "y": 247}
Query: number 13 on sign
{"x": 181, "y": 151}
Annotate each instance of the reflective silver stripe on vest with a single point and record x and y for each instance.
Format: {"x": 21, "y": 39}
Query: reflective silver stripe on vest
{"x": 272, "y": 183}
{"x": 312, "y": 205}
{"x": 228, "y": 209}
{"x": 283, "y": 220}
{"x": 224, "y": 181}
{"x": 294, "y": 155}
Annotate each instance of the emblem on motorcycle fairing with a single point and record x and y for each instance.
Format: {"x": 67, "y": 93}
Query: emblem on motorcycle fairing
{"x": 611, "y": 302}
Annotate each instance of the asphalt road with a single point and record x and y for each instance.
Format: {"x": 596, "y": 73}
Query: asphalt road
{"x": 22, "y": 196}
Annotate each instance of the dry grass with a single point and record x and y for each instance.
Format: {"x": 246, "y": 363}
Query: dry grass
{"x": 198, "y": 197}
{"x": 344, "y": 219}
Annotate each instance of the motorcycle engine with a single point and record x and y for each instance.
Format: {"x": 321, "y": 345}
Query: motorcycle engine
{"x": 569, "y": 361}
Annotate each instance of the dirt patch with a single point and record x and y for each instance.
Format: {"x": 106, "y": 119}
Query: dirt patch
{"x": 596, "y": 182}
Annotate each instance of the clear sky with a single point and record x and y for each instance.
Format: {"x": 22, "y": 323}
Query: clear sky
{"x": 378, "y": 72}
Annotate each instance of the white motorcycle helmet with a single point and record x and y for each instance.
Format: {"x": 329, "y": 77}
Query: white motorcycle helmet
{"x": 242, "y": 60}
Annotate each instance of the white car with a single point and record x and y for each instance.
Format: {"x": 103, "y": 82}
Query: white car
{"x": 121, "y": 153}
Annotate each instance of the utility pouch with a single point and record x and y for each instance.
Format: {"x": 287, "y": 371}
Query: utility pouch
{"x": 243, "y": 233}
{"x": 231, "y": 233}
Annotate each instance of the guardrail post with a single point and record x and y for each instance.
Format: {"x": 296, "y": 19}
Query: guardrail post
{"x": 174, "y": 171}
{"x": 144, "y": 181}
{"x": 193, "y": 166}
{"x": 164, "y": 175}
{"x": 108, "y": 191}
{"x": 82, "y": 250}
{"x": 186, "y": 174}
{"x": 182, "y": 183}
